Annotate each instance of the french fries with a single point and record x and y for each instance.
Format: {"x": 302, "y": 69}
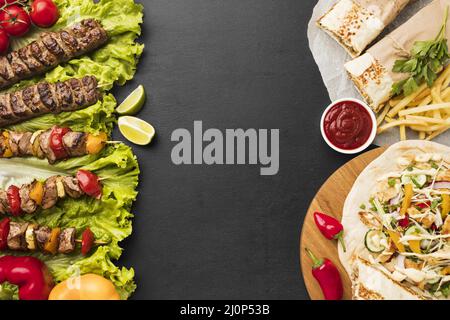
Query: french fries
{"x": 426, "y": 111}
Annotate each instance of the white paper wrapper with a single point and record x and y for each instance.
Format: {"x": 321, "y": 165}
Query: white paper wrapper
{"x": 331, "y": 57}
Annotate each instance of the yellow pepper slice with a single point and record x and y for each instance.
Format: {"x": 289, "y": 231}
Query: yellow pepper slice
{"x": 95, "y": 144}
{"x": 52, "y": 244}
{"x": 445, "y": 205}
{"x": 37, "y": 192}
{"x": 407, "y": 199}
{"x": 395, "y": 236}
{"x": 8, "y": 153}
{"x": 445, "y": 271}
{"x": 414, "y": 245}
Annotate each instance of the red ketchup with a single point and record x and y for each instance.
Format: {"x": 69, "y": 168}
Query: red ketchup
{"x": 348, "y": 125}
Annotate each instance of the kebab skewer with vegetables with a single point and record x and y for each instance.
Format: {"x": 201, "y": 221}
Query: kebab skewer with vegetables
{"x": 30, "y": 237}
{"x": 28, "y": 198}
{"x": 54, "y": 144}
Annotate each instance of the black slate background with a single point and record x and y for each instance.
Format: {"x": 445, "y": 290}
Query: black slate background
{"x": 225, "y": 232}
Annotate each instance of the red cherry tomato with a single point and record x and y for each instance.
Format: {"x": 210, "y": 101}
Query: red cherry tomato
{"x": 3, "y": 2}
{"x": 44, "y": 13}
{"x": 15, "y": 20}
{"x": 56, "y": 142}
{"x": 14, "y": 201}
{"x": 4, "y": 42}
{"x": 89, "y": 183}
{"x": 87, "y": 241}
{"x": 4, "y": 232}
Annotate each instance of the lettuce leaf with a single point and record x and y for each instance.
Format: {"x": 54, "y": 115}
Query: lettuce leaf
{"x": 108, "y": 218}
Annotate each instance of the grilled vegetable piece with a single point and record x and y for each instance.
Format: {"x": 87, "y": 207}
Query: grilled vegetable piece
{"x": 42, "y": 144}
{"x": 44, "y": 98}
{"x": 52, "y": 49}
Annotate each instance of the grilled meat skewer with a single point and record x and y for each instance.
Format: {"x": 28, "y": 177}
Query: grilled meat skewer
{"x": 54, "y": 144}
{"x": 42, "y": 98}
{"x": 28, "y": 198}
{"x": 50, "y": 50}
{"x": 26, "y": 237}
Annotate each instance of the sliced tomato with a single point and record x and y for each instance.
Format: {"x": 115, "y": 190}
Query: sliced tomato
{"x": 87, "y": 241}
{"x": 89, "y": 183}
{"x": 4, "y": 232}
{"x": 13, "y": 196}
{"x": 56, "y": 142}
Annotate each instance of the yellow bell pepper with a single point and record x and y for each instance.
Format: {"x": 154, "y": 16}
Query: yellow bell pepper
{"x": 407, "y": 199}
{"x": 395, "y": 237}
{"x": 52, "y": 244}
{"x": 7, "y": 153}
{"x": 414, "y": 245}
{"x": 95, "y": 144}
{"x": 37, "y": 192}
{"x": 445, "y": 205}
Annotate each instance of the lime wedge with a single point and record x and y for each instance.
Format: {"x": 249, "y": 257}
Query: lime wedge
{"x": 136, "y": 130}
{"x": 133, "y": 103}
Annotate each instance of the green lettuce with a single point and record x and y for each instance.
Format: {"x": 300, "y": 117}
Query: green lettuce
{"x": 108, "y": 218}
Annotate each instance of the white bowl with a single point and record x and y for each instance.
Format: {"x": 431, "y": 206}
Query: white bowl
{"x": 372, "y": 134}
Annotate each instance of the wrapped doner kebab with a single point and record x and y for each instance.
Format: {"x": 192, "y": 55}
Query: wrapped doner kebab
{"x": 372, "y": 72}
{"x": 354, "y": 24}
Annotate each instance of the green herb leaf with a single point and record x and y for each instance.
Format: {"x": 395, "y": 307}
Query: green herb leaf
{"x": 427, "y": 59}
{"x": 392, "y": 181}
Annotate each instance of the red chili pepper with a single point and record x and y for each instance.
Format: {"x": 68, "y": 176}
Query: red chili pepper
{"x": 4, "y": 231}
{"x": 328, "y": 277}
{"x": 30, "y": 274}
{"x": 56, "y": 142}
{"x": 87, "y": 241}
{"x": 89, "y": 183}
{"x": 13, "y": 197}
{"x": 331, "y": 228}
{"x": 404, "y": 222}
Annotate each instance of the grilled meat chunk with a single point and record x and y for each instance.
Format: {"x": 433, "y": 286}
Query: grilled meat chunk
{"x": 27, "y": 204}
{"x": 43, "y": 98}
{"x": 20, "y": 144}
{"x": 50, "y": 50}
{"x": 16, "y": 237}
{"x": 50, "y": 193}
{"x": 67, "y": 241}
{"x": 75, "y": 143}
{"x": 44, "y": 143}
{"x": 4, "y": 206}
{"x": 71, "y": 187}
{"x": 42, "y": 236}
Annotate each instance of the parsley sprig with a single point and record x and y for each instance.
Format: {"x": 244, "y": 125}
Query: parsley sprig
{"x": 426, "y": 61}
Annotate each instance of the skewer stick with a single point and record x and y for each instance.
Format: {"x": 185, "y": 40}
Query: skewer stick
{"x": 99, "y": 243}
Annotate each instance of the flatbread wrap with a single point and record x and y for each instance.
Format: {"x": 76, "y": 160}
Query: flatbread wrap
{"x": 354, "y": 24}
{"x": 397, "y": 225}
{"x": 372, "y": 72}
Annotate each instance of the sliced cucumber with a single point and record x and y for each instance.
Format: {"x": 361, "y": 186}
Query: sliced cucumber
{"x": 418, "y": 180}
{"x": 374, "y": 241}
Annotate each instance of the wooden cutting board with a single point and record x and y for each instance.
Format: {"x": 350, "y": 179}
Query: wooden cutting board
{"x": 330, "y": 200}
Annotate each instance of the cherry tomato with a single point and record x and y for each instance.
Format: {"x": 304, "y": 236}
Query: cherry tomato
{"x": 4, "y": 232}
{"x": 4, "y": 42}
{"x": 44, "y": 13}
{"x": 15, "y": 20}
{"x": 87, "y": 241}
{"x": 56, "y": 142}
{"x": 14, "y": 201}
{"x": 3, "y": 2}
{"x": 89, "y": 183}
